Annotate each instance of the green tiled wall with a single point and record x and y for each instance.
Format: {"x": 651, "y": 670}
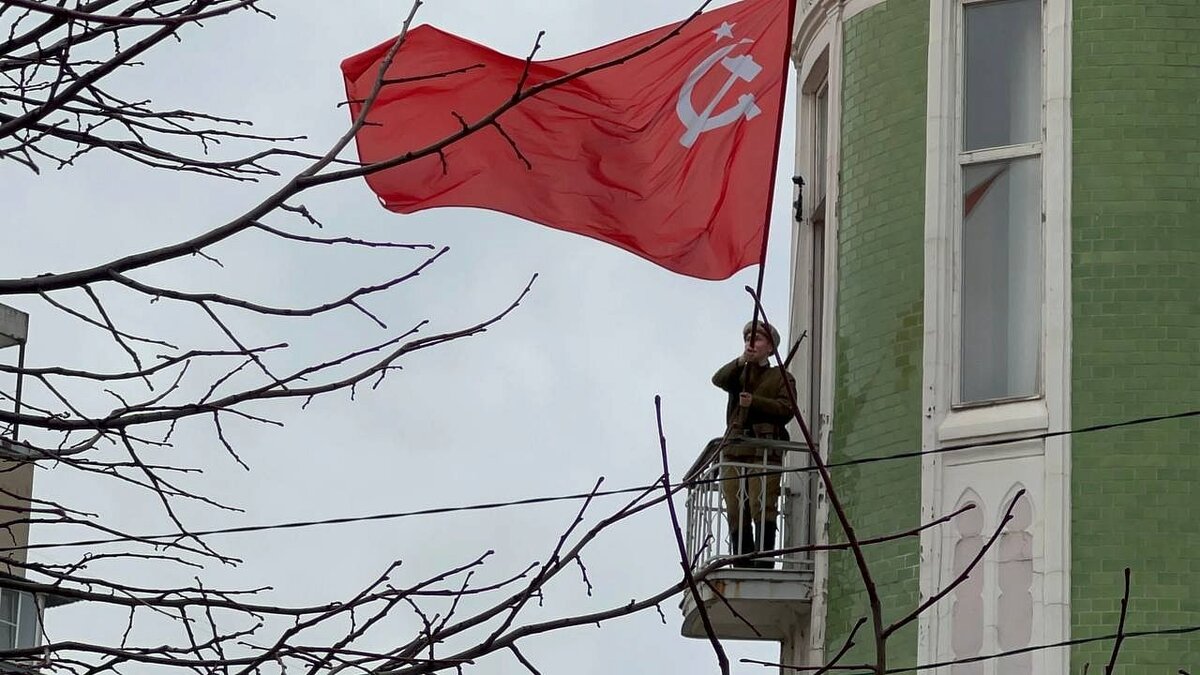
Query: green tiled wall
{"x": 879, "y": 311}
{"x": 1136, "y": 343}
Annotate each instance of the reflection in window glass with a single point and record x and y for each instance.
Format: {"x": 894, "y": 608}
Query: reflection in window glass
{"x": 1001, "y": 280}
{"x": 1002, "y": 73}
{"x": 9, "y": 601}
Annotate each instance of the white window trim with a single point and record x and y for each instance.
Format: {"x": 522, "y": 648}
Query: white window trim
{"x": 1005, "y": 152}
{"x": 1007, "y": 407}
{"x": 22, "y": 598}
{"x": 818, "y": 55}
{"x": 942, "y": 424}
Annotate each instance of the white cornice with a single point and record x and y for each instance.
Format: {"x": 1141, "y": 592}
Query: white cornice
{"x": 810, "y": 19}
{"x": 812, "y": 16}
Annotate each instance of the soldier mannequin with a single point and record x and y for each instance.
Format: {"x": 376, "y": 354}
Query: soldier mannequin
{"x": 758, "y": 407}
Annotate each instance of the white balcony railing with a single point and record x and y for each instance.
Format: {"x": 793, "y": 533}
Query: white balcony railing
{"x": 745, "y": 492}
{"x": 750, "y": 495}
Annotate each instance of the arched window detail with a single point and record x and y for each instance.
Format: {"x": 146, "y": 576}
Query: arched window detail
{"x": 1014, "y": 577}
{"x": 967, "y": 611}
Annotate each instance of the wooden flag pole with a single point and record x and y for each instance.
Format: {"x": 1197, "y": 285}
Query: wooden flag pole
{"x": 766, "y": 232}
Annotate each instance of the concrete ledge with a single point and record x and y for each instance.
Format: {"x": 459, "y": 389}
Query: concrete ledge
{"x": 750, "y": 604}
{"x": 10, "y": 449}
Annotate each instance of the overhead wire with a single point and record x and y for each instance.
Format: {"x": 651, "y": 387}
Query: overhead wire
{"x": 487, "y": 506}
{"x": 1073, "y": 642}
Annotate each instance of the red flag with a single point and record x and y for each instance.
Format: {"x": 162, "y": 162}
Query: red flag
{"x": 977, "y": 193}
{"x": 669, "y": 155}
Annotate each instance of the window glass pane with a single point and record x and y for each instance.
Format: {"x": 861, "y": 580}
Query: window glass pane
{"x": 27, "y": 629}
{"x": 1001, "y": 268}
{"x": 817, "y": 324}
{"x": 1002, "y": 73}
{"x": 8, "y": 634}
{"x": 8, "y": 606}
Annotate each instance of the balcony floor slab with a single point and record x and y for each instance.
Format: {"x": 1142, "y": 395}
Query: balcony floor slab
{"x": 750, "y": 604}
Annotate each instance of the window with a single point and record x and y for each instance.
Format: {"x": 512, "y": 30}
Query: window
{"x": 816, "y": 165}
{"x": 820, "y": 146}
{"x": 1000, "y": 252}
{"x": 996, "y": 357}
{"x": 18, "y": 619}
{"x": 816, "y": 221}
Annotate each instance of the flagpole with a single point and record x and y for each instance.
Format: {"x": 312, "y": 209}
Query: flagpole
{"x": 766, "y": 232}
{"x": 766, "y": 235}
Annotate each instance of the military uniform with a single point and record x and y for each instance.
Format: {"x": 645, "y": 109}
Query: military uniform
{"x": 753, "y": 503}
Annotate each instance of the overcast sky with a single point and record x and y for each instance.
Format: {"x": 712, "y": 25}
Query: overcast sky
{"x": 557, "y": 395}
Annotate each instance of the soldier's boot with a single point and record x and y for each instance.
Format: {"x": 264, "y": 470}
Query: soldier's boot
{"x": 743, "y": 542}
{"x": 769, "y": 534}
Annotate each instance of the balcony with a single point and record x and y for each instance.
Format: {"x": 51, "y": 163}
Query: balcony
{"x": 764, "y": 598}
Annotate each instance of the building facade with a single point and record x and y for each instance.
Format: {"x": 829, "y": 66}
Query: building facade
{"x": 1000, "y": 241}
{"x": 21, "y": 611}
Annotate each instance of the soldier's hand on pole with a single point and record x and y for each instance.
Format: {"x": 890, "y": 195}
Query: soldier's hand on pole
{"x": 744, "y": 399}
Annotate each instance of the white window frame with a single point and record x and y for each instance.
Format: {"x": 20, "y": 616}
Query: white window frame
{"x": 944, "y": 423}
{"x": 23, "y": 599}
{"x": 943, "y": 226}
{"x": 965, "y": 159}
{"x": 813, "y": 85}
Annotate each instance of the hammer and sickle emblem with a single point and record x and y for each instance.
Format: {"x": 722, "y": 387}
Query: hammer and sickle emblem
{"x": 740, "y": 68}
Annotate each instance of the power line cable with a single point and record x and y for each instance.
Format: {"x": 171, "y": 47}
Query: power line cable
{"x": 487, "y": 506}
{"x": 1130, "y": 634}
{"x": 1108, "y": 426}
